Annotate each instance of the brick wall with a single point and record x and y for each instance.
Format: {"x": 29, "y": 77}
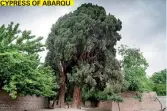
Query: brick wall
{"x": 21, "y": 103}
{"x": 131, "y": 104}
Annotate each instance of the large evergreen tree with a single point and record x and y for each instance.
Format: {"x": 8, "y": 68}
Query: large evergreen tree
{"x": 81, "y": 50}
{"x": 21, "y": 72}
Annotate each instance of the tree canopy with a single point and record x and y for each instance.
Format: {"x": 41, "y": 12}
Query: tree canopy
{"x": 159, "y": 77}
{"x": 21, "y": 72}
{"x": 134, "y": 66}
{"x": 83, "y": 43}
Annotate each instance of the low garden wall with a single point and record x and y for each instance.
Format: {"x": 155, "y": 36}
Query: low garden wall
{"x": 29, "y": 103}
{"x": 131, "y": 104}
{"x": 21, "y": 103}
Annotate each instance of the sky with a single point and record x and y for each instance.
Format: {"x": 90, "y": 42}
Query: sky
{"x": 143, "y": 24}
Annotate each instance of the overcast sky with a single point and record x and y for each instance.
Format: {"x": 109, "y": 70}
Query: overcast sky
{"x": 144, "y": 24}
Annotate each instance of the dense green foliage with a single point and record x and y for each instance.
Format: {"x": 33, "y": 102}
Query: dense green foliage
{"x": 160, "y": 89}
{"x": 20, "y": 70}
{"x": 106, "y": 94}
{"x": 159, "y": 79}
{"x": 115, "y": 98}
{"x": 84, "y": 42}
{"x": 134, "y": 66}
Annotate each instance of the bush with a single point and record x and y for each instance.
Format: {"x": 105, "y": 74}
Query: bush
{"x": 102, "y": 96}
{"x": 90, "y": 95}
{"x": 160, "y": 89}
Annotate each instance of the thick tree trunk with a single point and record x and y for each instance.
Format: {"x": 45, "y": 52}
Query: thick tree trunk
{"x": 61, "y": 96}
{"x": 62, "y": 86}
{"x": 76, "y": 103}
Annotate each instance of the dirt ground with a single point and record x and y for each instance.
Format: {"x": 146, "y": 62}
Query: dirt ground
{"x": 95, "y": 109}
{"x": 84, "y": 109}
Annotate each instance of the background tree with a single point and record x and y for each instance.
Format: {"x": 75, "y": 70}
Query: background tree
{"x": 21, "y": 72}
{"x": 134, "y": 66}
{"x": 159, "y": 80}
{"x": 82, "y": 40}
{"x": 159, "y": 77}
